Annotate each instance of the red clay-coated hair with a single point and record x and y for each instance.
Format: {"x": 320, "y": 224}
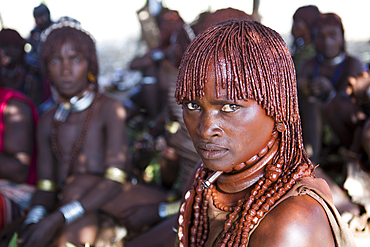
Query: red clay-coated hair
{"x": 251, "y": 61}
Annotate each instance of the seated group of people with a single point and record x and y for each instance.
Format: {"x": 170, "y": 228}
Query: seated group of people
{"x": 334, "y": 105}
{"x": 254, "y": 184}
{"x": 323, "y": 71}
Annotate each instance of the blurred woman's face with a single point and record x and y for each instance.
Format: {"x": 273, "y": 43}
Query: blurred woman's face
{"x": 68, "y": 70}
{"x": 329, "y": 41}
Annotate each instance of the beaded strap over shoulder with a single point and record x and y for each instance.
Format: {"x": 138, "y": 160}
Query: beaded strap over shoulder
{"x": 319, "y": 190}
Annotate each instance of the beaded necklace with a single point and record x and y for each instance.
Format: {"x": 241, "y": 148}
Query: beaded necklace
{"x": 193, "y": 219}
{"x": 64, "y": 159}
{"x": 232, "y": 183}
{"x": 241, "y": 181}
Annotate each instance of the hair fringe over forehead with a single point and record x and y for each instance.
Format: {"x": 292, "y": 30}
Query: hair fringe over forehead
{"x": 251, "y": 62}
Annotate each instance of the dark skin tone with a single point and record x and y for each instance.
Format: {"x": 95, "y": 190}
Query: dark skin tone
{"x": 219, "y": 143}
{"x": 104, "y": 147}
{"x": 329, "y": 42}
{"x": 10, "y": 60}
{"x": 14, "y": 53}
{"x": 18, "y": 142}
{"x": 42, "y": 21}
{"x": 344, "y": 123}
{"x": 302, "y": 42}
{"x": 358, "y": 88}
{"x": 16, "y": 74}
{"x": 149, "y": 68}
{"x": 136, "y": 207}
{"x": 314, "y": 111}
{"x": 18, "y": 138}
{"x": 214, "y": 120}
{"x": 139, "y": 206}
{"x": 221, "y": 122}
{"x": 162, "y": 235}
{"x": 299, "y": 221}
{"x": 301, "y": 30}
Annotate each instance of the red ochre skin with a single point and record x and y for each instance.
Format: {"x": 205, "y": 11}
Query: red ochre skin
{"x": 237, "y": 86}
{"x": 225, "y": 132}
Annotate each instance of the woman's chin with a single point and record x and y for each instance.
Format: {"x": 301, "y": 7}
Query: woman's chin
{"x": 215, "y": 167}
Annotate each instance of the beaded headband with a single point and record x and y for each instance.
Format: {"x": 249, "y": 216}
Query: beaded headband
{"x": 64, "y": 21}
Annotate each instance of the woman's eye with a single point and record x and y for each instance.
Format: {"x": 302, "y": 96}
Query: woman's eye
{"x": 192, "y": 106}
{"x": 77, "y": 59}
{"x": 55, "y": 60}
{"x": 230, "y": 108}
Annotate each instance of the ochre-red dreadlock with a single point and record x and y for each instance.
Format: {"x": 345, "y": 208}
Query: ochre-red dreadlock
{"x": 251, "y": 62}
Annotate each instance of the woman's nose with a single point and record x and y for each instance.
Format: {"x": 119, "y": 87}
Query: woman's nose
{"x": 67, "y": 67}
{"x": 209, "y": 125}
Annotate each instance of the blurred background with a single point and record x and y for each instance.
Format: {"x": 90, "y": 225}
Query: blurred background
{"x": 116, "y": 28}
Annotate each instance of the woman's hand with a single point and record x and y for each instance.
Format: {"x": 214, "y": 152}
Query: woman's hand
{"x": 359, "y": 87}
{"x": 320, "y": 85}
{"x": 135, "y": 218}
{"x": 42, "y": 233}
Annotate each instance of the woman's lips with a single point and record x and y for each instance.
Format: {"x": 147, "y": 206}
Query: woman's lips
{"x": 66, "y": 85}
{"x": 211, "y": 151}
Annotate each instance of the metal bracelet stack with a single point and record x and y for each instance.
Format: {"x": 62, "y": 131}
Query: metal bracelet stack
{"x": 72, "y": 211}
{"x": 36, "y": 214}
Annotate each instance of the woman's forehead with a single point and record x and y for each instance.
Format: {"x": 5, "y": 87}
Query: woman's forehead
{"x": 66, "y": 47}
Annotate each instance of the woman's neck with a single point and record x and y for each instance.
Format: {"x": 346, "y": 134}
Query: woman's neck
{"x": 74, "y": 104}
{"x": 229, "y": 188}
{"x": 62, "y": 99}
{"x": 245, "y": 178}
{"x": 332, "y": 61}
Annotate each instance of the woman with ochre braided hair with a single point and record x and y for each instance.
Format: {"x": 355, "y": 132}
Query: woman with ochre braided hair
{"x": 256, "y": 185}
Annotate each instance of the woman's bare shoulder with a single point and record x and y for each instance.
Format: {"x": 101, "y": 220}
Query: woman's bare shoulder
{"x": 298, "y": 221}
{"x": 110, "y": 106}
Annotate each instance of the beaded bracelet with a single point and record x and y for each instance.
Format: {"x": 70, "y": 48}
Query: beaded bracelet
{"x": 166, "y": 209}
{"x": 116, "y": 174}
{"x": 72, "y": 211}
{"x": 46, "y": 185}
{"x": 36, "y": 214}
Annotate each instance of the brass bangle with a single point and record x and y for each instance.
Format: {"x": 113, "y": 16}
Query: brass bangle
{"x": 46, "y": 185}
{"x": 116, "y": 174}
